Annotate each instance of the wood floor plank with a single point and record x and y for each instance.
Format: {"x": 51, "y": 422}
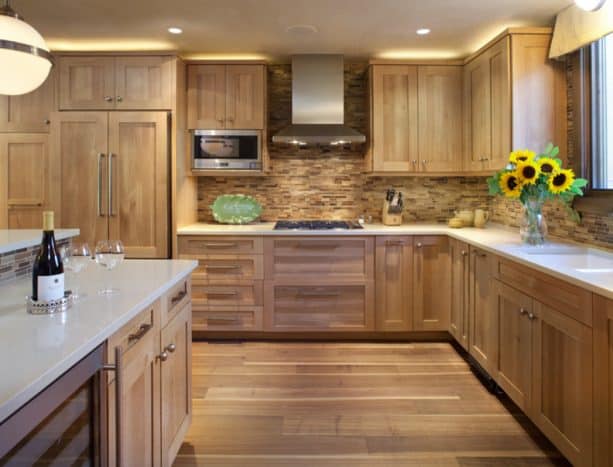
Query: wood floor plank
{"x": 350, "y": 404}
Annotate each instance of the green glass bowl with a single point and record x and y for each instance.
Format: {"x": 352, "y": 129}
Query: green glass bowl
{"x": 236, "y": 209}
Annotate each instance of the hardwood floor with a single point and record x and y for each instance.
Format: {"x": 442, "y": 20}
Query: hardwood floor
{"x": 347, "y": 404}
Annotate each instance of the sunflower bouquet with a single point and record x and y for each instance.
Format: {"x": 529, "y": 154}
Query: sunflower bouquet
{"x": 533, "y": 179}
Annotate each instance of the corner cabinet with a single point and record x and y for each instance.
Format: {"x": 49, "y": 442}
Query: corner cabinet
{"x": 231, "y": 96}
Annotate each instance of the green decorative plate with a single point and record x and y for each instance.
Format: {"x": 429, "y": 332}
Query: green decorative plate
{"x": 236, "y": 209}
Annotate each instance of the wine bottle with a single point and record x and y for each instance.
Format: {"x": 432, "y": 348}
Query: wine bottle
{"x": 48, "y": 271}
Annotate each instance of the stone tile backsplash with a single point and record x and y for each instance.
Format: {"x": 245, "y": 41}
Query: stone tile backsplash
{"x": 17, "y": 264}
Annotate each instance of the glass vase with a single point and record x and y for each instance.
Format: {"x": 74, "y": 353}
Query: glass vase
{"x": 533, "y": 227}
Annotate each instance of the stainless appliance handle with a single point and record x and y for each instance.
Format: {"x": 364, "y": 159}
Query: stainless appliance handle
{"x": 117, "y": 368}
{"x": 99, "y": 199}
{"x": 111, "y": 156}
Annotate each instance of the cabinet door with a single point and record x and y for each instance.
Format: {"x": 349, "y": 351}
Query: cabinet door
{"x": 483, "y": 323}
{"x": 245, "y": 97}
{"x": 78, "y": 172}
{"x": 440, "y": 118}
{"x": 394, "y": 118}
{"x": 603, "y": 381}
{"x": 139, "y": 438}
{"x": 87, "y": 83}
{"x": 500, "y": 79}
{"x": 176, "y": 383}
{"x": 394, "y": 270}
{"x": 138, "y": 182}
{"x": 31, "y": 112}
{"x": 432, "y": 284}
{"x": 562, "y": 361}
{"x": 24, "y": 182}
{"x": 459, "y": 319}
{"x": 206, "y": 96}
{"x": 477, "y": 114}
{"x": 143, "y": 83}
{"x": 514, "y": 362}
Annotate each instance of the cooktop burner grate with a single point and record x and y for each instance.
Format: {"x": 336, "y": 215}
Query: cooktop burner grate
{"x": 316, "y": 225}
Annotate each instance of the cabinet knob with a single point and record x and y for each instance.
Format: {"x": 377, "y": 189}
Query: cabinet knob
{"x": 532, "y": 316}
{"x": 108, "y": 98}
{"x": 424, "y": 161}
{"x": 523, "y": 311}
{"x": 414, "y": 161}
{"x": 419, "y": 245}
{"x": 220, "y": 120}
{"x": 230, "y": 119}
{"x": 171, "y": 348}
{"x": 163, "y": 356}
{"x": 119, "y": 98}
{"x": 464, "y": 253}
{"x": 46, "y": 121}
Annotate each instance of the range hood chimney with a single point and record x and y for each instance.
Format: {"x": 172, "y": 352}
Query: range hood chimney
{"x": 318, "y": 103}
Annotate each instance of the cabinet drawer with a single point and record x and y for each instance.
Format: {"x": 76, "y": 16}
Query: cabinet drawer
{"x": 223, "y": 268}
{"x": 320, "y": 307}
{"x": 319, "y": 257}
{"x": 244, "y": 294}
{"x": 570, "y": 299}
{"x": 242, "y": 318}
{"x": 175, "y": 299}
{"x": 217, "y": 245}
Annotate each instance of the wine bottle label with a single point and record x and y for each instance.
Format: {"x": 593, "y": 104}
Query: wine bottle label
{"x": 50, "y": 287}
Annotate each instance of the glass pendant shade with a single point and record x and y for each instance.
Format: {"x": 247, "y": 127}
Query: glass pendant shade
{"x": 25, "y": 60}
{"x": 589, "y": 5}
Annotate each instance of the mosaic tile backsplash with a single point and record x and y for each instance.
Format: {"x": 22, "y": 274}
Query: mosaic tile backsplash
{"x": 313, "y": 183}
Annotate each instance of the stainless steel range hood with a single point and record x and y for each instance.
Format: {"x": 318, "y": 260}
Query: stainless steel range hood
{"x": 318, "y": 103}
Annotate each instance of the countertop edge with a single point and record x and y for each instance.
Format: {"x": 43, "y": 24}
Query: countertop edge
{"x": 34, "y": 238}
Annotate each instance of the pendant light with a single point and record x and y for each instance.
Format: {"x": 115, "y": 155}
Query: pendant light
{"x": 25, "y": 60}
{"x": 590, "y": 5}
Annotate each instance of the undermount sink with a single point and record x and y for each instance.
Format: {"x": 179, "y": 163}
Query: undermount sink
{"x": 584, "y": 260}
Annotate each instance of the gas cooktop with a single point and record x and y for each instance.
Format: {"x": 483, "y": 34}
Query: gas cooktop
{"x": 316, "y": 225}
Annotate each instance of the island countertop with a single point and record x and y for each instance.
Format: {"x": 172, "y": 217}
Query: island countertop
{"x": 585, "y": 266}
{"x": 15, "y": 239}
{"x": 36, "y": 349}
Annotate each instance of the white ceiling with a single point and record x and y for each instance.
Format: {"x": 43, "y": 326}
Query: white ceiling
{"x": 258, "y": 28}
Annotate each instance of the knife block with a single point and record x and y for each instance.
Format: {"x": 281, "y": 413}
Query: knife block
{"x": 388, "y": 218}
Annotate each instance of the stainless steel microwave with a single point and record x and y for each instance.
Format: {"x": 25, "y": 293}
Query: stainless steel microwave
{"x": 226, "y": 149}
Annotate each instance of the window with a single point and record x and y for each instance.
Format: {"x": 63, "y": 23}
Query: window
{"x": 602, "y": 114}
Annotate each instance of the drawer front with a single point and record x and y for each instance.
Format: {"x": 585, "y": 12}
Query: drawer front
{"x": 175, "y": 299}
{"x": 569, "y": 299}
{"x": 227, "y": 318}
{"x": 320, "y": 307}
{"x": 220, "y": 245}
{"x": 318, "y": 257}
{"x": 245, "y": 294}
{"x": 223, "y": 268}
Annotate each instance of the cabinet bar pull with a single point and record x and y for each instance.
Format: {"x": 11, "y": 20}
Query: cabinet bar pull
{"x": 221, "y": 245}
{"x": 222, "y": 267}
{"x": 306, "y": 294}
{"x": 222, "y": 294}
{"x": 117, "y": 369}
{"x": 322, "y": 246}
{"x": 142, "y": 330}
{"x": 111, "y": 212}
{"x": 177, "y": 298}
{"x": 221, "y": 320}
{"x": 394, "y": 242}
{"x": 99, "y": 198}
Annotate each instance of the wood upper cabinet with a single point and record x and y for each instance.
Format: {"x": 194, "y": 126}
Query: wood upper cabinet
{"x": 138, "y": 182}
{"x": 393, "y": 291}
{"x": 603, "y": 381}
{"x": 31, "y": 112}
{"x": 563, "y": 384}
{"x": 226, "y": 97}
{"x": 105, "y": 83}
{"x": 24, "y": 180}
{"x": 460, "y": 267}
{"x": 483, "y": 335}
{"x": 514, "y": 363}
{"x": 394, "y": 118}
{"x": 432, "y": 284}
{"x": 176, "y": 379}
{"x": 440, "y": 118}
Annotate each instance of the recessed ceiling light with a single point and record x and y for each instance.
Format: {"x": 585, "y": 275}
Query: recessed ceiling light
{"x": 423, "y": 31}
{"x": 303, "y": 29}
{"x": 590, "y": 5}
{"x": 175, "y": 30}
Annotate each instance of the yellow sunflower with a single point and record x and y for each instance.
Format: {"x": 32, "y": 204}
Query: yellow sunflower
{"x": 510, "y": 185}
{"x": 547, "y": 165}
{"x": 528, "y": 172}
{"x": 521, "y": 155}
{"x": 561, "y": 180}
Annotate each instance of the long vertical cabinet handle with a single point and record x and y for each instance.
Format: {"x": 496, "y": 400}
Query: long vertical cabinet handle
{"x": 118, "y": 369}
{"x": 99, "y": 199}
{"x": 111, "y": 211}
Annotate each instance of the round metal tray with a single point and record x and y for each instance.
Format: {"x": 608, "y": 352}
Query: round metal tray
{"x": 48, "y": 308}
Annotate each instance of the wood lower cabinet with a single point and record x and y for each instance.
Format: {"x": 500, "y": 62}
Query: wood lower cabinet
{"x": 431, "y": 283}
{"x": 394, "y": 277}
{"x": 482, "y": 317}
{"x": 459, "y": 323}
{"x": 603, "y": 381}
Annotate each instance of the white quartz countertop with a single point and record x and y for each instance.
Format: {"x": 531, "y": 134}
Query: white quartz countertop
{"x": 16, "y": 239}
{"x": 590, "y": 268}
{"x": 36, "y": 349}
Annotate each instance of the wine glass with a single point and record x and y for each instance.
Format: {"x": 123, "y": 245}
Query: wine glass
{"x": 76, "y": 258}
{"x": 109, "y": 254}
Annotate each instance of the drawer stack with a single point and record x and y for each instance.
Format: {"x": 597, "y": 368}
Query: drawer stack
{"x": 319, "y": 283}
{"x": 227, "y": 290}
